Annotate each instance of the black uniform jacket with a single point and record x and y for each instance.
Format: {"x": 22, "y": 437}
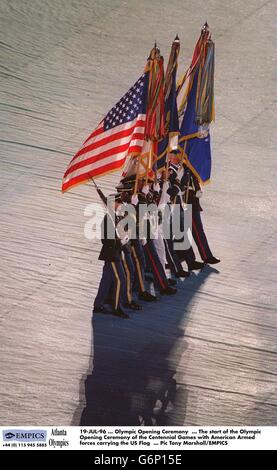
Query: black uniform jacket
{"x": 111, "y": 249}
{"x": 189, "y": 178}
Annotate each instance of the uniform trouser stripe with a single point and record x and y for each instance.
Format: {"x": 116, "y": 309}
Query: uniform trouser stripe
{"x": 128, "y": 278}
{"x": 141, "y": 283}
{"x": 202, "y": 249}
{"x": 155, "y": 268}
{"x": 170, "y": 255}
{"x": 118, "y": 285}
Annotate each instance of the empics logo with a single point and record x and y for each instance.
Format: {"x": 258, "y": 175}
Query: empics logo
{"x": 9, "y": 435}
{"x": 25, "y": 435}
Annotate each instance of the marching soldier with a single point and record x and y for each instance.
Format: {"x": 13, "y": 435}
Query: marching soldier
{"x": 160, "y": 279}
{"x": 128, "y": 265}
{"x": 191, "y": 186}
{"x": 172, "y": 189}
{"x": 175, "y": 257}
{"x": 113, "y": 272}
{"x": 134, "y": 256}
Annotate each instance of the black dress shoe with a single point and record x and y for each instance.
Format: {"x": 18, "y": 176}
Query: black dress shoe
{"x": 120, "y": 313}
{"x": 100, "y": 309}
{"x": 196, "y": 265}
{"x": 212, "y": 260}
{"x": 168, "y": 291}
{"x": 171, "y": 282}
{"x": 133, "y": 305}
{"x": 147, "y": 297}
{"x": 182, "y": 273}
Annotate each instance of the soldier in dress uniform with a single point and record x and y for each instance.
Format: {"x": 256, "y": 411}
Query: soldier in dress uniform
{"x": 191, "y": 187}
{"x": 172, "y": 189}
{"x": 144, "y": 196}
{"x": 126, "y": 256}
{"x": 134, "y": 257}
{"x": 113, "y": 273}
{"x": 160, "y": 279}
{"x": 178, "y": 198}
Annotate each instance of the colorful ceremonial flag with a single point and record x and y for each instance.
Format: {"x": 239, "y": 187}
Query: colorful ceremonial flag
{"x": 170, "y": 141}
{"x": 119, "y": 134}
{"x": 189, "y": 127}
{"x": 143, "y": 164}
{"x": 197, "y": 108}
{"x": 197, "y": 156}
{"x": 155, "y": 125}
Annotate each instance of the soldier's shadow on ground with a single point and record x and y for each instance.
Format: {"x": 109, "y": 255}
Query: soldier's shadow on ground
{"x": 132, "y": 379}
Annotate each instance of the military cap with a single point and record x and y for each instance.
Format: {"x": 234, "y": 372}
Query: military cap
{"x": 127, "y": 183}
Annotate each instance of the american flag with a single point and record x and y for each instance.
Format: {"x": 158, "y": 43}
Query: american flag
{"x": 119, "y": 134}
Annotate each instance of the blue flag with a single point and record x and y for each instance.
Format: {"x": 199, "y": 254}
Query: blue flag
{"x": 194, "y": 140}
{"x": 198, "y": 157}
{"x": 170, "y": 142}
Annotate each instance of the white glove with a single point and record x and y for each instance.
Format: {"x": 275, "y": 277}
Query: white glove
{"x": 145, "y": 189}
{"x": 143, "y": 241}
{"x": 180, "y": 172}
{"x": 199, "y": 193}
{"x": 204, "y": 130}
{"x": 134, "y": 199}
{"x": 165, "y": 186}
{"x": 156, "y": 187}
{"x": 125, "y": 240}
{"x": 167, "y": 198}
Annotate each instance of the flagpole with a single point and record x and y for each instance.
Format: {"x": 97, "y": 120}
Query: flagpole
{"x": 182, "y": 162}
{"x": 95, "y": 185}
{"x": 149, "y": 161}
{"x": 167, "y": 167}
{"x": 137, "y": 174}
{"x": 183, "y": 152}
{"x": 187, "y": 192}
